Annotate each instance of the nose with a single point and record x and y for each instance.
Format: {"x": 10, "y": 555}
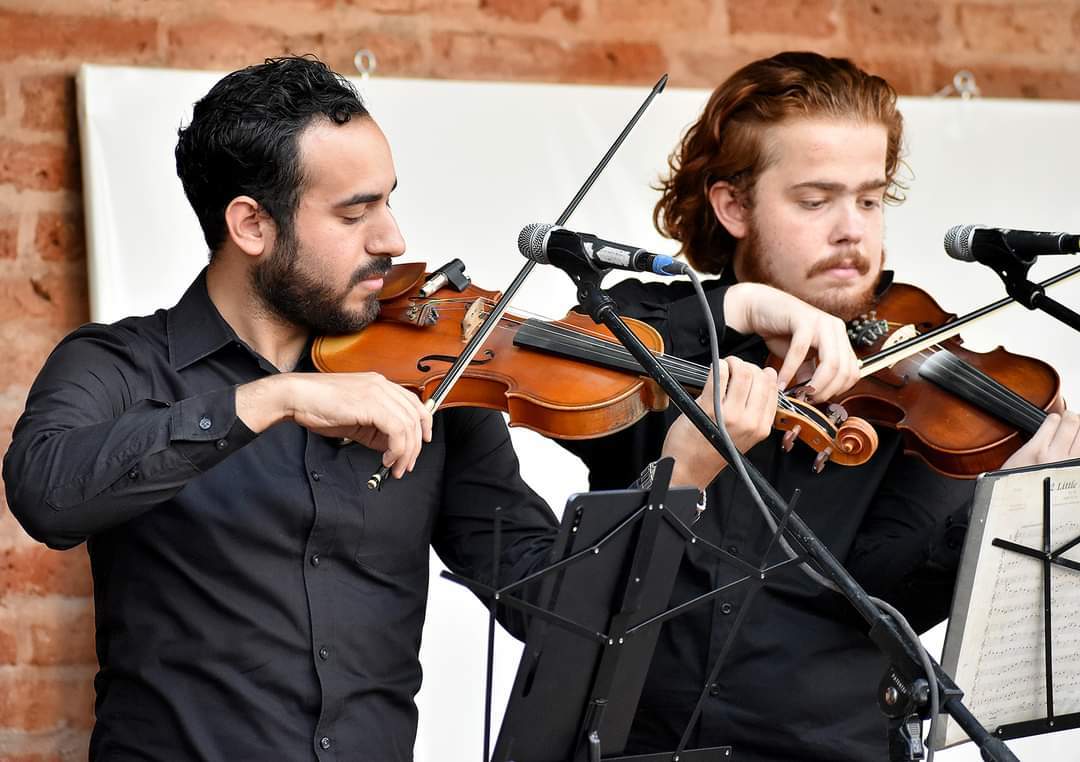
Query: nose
{"x": 386, "y": 239}
{"x": 849, "y": 225}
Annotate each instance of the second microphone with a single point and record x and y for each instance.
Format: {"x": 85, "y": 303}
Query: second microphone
{"x": 546, "y": 244}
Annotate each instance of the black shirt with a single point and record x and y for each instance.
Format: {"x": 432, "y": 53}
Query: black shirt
{"x": 253, "y": 599}
{"x": 800, "y": 681}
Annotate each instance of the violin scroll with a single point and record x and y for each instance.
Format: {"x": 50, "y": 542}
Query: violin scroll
{"x": 851, "y": 443}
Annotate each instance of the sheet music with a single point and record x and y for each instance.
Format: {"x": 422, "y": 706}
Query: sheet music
{"x": 995, "y": 645}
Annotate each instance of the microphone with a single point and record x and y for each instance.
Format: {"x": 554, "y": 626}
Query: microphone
{"x": 552, "y": 244}
{"x": 995, "y": 246}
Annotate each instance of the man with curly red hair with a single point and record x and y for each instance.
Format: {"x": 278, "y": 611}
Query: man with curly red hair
{"x": 783, "y": 181}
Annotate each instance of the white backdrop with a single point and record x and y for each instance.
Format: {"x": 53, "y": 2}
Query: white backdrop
{"x": 477, "y": 161}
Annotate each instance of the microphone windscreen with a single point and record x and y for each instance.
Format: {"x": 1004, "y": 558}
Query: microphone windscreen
{"x": 531, "y": 241}
{"x": 958, "y": 242}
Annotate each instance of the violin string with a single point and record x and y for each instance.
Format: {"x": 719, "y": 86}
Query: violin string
{"x": 975, "y": 381}
{"x": 971, "y": 380}
{"x": 974, "y": 378}
{"x": 603, "y": 348}
{"x": 694, "y": 373}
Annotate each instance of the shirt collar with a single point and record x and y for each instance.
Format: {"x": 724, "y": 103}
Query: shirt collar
{"x": 195, "y": 327}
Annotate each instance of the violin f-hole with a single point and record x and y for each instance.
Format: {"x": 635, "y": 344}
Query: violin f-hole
{"x": 423, "y": 367}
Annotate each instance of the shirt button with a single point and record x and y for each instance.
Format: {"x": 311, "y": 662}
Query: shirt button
{"x": 324, "y": 653}
{"x": 714, "y": 690}
{"x": 733, "y": 549}
{"x": 315, "y": 559}
{"x": 703, "y": 336}
{"x": 133, "y": 474}
{"x": 316, "y": 475}
{"x": 726, "y": 608}
{"x": 324, "y": 742}
{"x": 205, "y": 423}
{"x": 222, "y": 444}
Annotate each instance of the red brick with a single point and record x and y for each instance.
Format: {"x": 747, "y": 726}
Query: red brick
{"x": 30, "y": 35}
{"x": 57, "y": 296}
{"x": 1028, "y": 28}
{"x": 66, "y": 638}
{"x": 531, "y": 11}
{"x": 49, "y": 103}
{"x": 1009, "y": 81}
{"x": 39, "y": 166}
{"x": 710, "y": 69}
{"x": 798, "y": 18}
{"x": 909, "y": 75}
{"x": 36, "y": 702}
{"x": 915, "y": 23}
{"x": 9, "y": 236}
{"x": 60, "y": 236}
{"x": 8, "y": 647}
{"x": 35, "y": 569}
{"x": 404, "y": 7}
{"x": 538, "y": 58}
{"x": 211, "y": 43}
{"x": 29, "y": 342}
{"x": 397, "y": 54}
{"x": 66, "y": 290}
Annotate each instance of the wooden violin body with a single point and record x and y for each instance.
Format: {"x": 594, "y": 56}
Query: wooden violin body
{"x": 415, "y": 341}
{"x": 963, "y": 412}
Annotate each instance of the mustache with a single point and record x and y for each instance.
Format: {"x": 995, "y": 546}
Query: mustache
{"x": 853, "y": 259}
{"x": 377, "y": 268}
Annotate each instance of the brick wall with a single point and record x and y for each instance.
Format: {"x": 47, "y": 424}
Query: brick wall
{"x": 1016, "y": 48}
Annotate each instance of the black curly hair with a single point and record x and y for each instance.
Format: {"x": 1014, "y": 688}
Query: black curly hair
{"x": 243, "y": 139}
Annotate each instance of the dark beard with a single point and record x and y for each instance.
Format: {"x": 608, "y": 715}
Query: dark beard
{"x": 296, "y": 297}
{"x": 756, "y": 269}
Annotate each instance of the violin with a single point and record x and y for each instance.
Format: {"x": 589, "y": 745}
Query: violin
{"x": 962, "y": 412}
{"x": 567, "y": 379}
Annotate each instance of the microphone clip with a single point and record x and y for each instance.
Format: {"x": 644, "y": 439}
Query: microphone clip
{"x": 453, "y": 273}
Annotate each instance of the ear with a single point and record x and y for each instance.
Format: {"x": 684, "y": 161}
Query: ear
{"x": 729, "y": 209}
{"x": 249, "y": 227}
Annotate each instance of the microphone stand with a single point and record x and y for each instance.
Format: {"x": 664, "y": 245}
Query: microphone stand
{"x": 904, "y": 696}
{"x": 1013, "y": 268}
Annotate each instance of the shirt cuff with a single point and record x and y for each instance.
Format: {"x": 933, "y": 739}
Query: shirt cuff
{"x": 205, "y": 428}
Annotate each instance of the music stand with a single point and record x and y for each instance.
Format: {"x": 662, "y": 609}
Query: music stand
{"x": 994, "y": 605}
{"x": 596, "y": 620}
{"x": 568, "y": 678}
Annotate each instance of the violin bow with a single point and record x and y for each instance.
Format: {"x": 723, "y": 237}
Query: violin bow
{"x": 497, "y": 309}
{"x": 886, "y": 358}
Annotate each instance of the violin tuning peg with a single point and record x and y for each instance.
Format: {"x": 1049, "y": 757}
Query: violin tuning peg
{"x": 821, "y": 459}
{"x": 790, "y": 435}
{"x": 836, "y": 413}
{"x": 804, "y": 392}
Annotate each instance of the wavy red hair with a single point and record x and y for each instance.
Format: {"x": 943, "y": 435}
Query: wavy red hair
{"x": 727, "y": 141}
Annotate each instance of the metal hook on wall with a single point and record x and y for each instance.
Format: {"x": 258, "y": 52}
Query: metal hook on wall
{"x": 365, "y": 62}
{"x": 963, "y": 85}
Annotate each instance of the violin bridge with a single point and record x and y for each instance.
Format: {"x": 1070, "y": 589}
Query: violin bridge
{"x": 903, "y": 333}
{"x": 474, "y": 318}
